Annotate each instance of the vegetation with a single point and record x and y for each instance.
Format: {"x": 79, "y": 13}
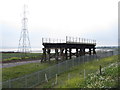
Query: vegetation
{"x": 87, "y": 75}
{"x": 12, "y": 58}
{"x": 20, "y": 56}
{"x": 21, "y": 70}
{"x": 108, "y": 79}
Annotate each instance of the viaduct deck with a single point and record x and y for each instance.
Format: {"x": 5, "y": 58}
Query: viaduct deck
{"x": 63, "y": 50}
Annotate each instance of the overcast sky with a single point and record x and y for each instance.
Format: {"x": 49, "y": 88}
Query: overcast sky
{"x": 92, "y": 19}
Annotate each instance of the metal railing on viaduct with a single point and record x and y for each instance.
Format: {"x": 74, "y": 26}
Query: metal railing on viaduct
{"x": 69, "y": 40}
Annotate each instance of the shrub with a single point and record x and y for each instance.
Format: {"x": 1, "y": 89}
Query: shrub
{"x": 12, "y": 58}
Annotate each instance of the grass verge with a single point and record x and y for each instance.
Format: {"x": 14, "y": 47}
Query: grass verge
{"x": 21, "y": 70}
{"x": 75, "y": 78}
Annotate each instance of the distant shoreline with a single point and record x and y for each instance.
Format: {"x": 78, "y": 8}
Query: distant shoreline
{"x": 34, "y": 50}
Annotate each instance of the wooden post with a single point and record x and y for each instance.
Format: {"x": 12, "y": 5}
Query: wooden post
{"x": 89, "y": 51}
{"x": 56, "y": 54}
{"x": 48, "y": 51}
{"x": 100, "y": 70}
{"x": 70, "y": 55}
{"x": 44, "y": 54}
{"x": 66, "y": 53}
{"x": 94, "y": 52}
{"x": 61, "y": 53}
{"x": 76, "y": 52}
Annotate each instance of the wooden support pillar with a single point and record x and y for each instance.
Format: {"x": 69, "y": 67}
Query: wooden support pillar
{"x": 44, "y": 54}
{"x": 83, "y": 51}
{"x": 48, "y": 51}
{"x": 70, "y": 54}
{"x": 94, "y": 52}
{"x": 80, "y": 52}
{"x": 61, "y": 53}
{"x": 89, "y": 51}
{"x": 56, "y": 54}
{"x": 76, "y": 52}
{"x": 66, "y": 57}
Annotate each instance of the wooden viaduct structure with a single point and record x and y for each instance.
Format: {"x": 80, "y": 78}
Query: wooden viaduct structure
{"x": 63, "y": 48}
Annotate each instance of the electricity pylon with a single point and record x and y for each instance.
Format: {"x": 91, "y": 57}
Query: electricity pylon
{"x": 24, "y": 42}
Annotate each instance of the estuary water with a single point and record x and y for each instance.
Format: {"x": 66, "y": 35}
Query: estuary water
{"x": 33, "y": 50}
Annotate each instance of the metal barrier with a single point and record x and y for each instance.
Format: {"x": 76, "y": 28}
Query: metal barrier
{"x": 69, "y": 40}
{"x": 31, "y": 80}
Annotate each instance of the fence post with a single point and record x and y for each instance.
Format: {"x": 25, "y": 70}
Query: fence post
{"x": 84, "y": 74}
{"x": 100, "y": 70}
{"x": 46, "y": 78}
{"x": 9, "y": 83}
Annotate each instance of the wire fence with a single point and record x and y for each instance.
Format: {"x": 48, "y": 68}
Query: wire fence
{"x": 34, "y": 79}
{"x": 73, "y": 79}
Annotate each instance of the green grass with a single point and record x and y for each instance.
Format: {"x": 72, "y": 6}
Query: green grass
{"x": 76, "y": 74}
{"x": 21, "y": 70}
